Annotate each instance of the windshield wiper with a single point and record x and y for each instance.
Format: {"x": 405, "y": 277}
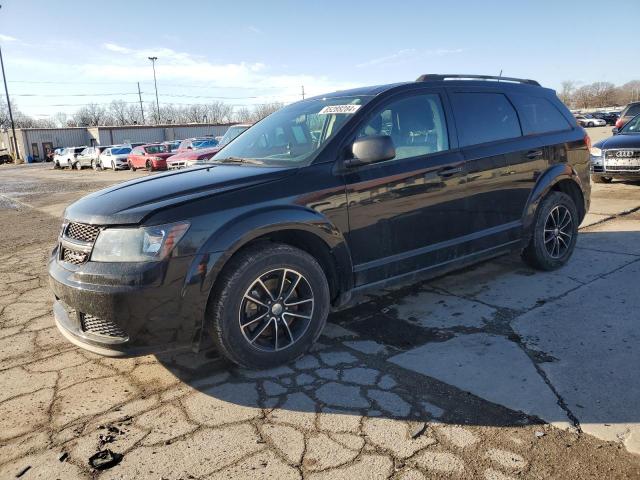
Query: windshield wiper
{"x": 251, "y": 161}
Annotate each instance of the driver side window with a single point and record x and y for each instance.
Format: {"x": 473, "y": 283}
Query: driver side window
{"x": 416, "y": 125}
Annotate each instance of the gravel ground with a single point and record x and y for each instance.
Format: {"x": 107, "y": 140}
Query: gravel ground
{"x": 495, "y": 372}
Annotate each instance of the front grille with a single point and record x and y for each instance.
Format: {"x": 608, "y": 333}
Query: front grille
{"x": 82, "y": 232}
{"x": 628, "y": 153}
{"x": 73, "y": 257}
{"x": 623, "y": 168}
{"x": 98, "y": 326}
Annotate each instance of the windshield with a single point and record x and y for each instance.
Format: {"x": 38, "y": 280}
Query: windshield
{"x": 292, "y": 135}
{"x": 155, "y": 149}
{"x": 632, "y": 127}
{"x": 232, "y": 133}
{"x": 120, "y": 151}
{"x": 204, "y": 143}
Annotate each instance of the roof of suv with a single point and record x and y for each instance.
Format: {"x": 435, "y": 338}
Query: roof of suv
{"x": 458, "y": 79}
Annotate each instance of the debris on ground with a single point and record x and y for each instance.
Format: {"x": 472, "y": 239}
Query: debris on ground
{"x": 105, "y": 459}
{"x": 23, "y": 471}
{"x": 540, "y": 434}
{"x": 63, "y": 456}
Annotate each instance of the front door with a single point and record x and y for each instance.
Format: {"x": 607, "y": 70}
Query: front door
{"x": 405, "y": 213}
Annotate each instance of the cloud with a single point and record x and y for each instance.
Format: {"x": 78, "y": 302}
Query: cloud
{"x": 253, "y": 29}
{"x": 405, "y": 55}
{"x": 7, "y": 38}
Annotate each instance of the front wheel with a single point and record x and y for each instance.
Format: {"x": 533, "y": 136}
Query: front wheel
{"x": 131, "y": 167}
{"x": 601, "y": 179}
{"x": 555, "y": 232}
{"x": 269, "y": 305}
{"x": 77, "y": 166}
{"x": 590, "y": 124}
{"x": 149, "y": 166}
{"x": 113, "y": 165}
{"x": 93, "y": 165}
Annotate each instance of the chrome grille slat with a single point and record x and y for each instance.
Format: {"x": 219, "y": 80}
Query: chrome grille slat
{"x": 82, "y": 232}
{"x": 73, "y": 257}
{"x": 98, "y": 326}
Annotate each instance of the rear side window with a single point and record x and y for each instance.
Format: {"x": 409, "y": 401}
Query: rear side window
{"x": 538, "y": 115}
{"x": 484, "y": 117}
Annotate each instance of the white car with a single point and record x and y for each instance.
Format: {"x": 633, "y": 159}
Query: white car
{"x": 590, "y": 121}
{"x": 115, "y": 158}
{"x": 67, "y": 157}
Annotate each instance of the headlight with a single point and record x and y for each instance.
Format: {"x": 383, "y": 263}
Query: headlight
{"x": 596, "y": 152}
{"x": 145, "y": 244}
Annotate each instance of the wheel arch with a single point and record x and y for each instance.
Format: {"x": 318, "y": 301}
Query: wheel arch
{"x": 299, "y": 227}
{"x": 560, "y": 178}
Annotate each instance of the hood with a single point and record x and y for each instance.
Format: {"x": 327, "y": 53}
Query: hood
{"x": 193, "y": 154}
{"x": 620, "y": 141}
{"x": 133, "y": 201}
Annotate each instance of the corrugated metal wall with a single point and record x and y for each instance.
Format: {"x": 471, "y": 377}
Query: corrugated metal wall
{"x": 75, "y": 137}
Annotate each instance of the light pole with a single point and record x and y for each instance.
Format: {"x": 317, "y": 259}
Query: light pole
{"x": 153, "y": 64}
{"x": 6, "y": 91}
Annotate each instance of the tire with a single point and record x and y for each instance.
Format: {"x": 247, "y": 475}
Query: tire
{"x": 56, "y": 165}
{"x": 77, "y": 166}
{"x": 600, "y": 179}
{"x": 149, "y": 166}
{"x": 229, "y": 306}
{"x": 113, "y": 165}
{"x": 131, "y": 167}
{"x": 590, "y": 124}
{"x": 550, "y": 247}
{"x": 93, "y": 165}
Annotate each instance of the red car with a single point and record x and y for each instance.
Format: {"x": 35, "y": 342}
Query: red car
{"x": 188, "y": 158}
{"x": 152, "y": 157}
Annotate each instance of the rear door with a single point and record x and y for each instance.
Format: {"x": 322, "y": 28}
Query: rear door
{"x": 544, "y": 128}
{"x": 490, "y": 135}
{"x": 136, "y": 157}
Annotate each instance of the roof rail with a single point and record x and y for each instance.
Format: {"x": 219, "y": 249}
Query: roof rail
{"x": 440, "y": 77}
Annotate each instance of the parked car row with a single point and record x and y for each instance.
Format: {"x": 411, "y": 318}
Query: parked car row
{"x": 150, "y": 156}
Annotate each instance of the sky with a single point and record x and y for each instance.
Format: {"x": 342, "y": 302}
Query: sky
{"x": 62, "y": 54}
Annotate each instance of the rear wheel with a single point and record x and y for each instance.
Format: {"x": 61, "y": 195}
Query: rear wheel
{"x": 590, "y": 124}
{"x": 600, "y": 179}
{"x": 93, "y": 165}
{"x": 555, "y": 232}
{"x": 56, "y": 165}
{"x": 77, "y": 166}
{"x": 113, "y": 165}
{"x": 269, "y": 305}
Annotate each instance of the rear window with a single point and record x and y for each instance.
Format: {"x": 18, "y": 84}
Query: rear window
{"x": 484, "y": 117}
{"x": 538, "y": 115}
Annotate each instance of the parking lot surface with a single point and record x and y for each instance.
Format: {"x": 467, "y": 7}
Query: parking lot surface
{"x": 493, "y": 372}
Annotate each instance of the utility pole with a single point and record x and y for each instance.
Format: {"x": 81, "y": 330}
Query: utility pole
{"x": 140, "y": 97}
{"x": 153, "y": 63}
{"x": 303, "y": 92}
{"x": 6, "y": 91}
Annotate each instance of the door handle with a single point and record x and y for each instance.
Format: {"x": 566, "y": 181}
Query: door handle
{"x": 447, "y": 172}
{"x": 534, "y": 154}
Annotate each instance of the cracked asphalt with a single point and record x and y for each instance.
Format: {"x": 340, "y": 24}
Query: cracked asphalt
{"x": 494, "y": 372}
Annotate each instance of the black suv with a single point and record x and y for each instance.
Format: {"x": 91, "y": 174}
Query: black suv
{"x": 321, "y": 201}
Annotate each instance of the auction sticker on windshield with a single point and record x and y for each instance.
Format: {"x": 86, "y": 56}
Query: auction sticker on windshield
{"x": 333, "y": 109}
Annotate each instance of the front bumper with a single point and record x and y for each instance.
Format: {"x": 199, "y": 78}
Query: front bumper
{"x": 123, "y": 309}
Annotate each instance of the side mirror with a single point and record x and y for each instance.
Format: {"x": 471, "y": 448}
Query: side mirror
{"x": 377, "y": 148}
{"x": 615, "y": 130}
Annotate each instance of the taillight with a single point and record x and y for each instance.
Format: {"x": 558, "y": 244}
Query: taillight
{"x": 587, "y": 141}
{"x": 619, "y": 123}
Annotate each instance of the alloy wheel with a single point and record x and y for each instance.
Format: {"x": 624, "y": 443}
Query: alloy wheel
{"x": 276, "y": 310}
{"x": 558, "y": 231}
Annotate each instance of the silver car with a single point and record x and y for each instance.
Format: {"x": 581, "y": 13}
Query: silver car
{"x": 115, "y": 157}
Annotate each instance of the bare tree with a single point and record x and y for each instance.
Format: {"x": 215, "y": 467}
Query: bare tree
{"x": 196, "y": 113}
{"x": 242, "y": 115}
{"x": 219, "y": 112}
{"x": 566, "y": 93}
{"x": 264, "y": 110}
{"x": 91, "y": 115}
{"x": 119, "y": 110}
